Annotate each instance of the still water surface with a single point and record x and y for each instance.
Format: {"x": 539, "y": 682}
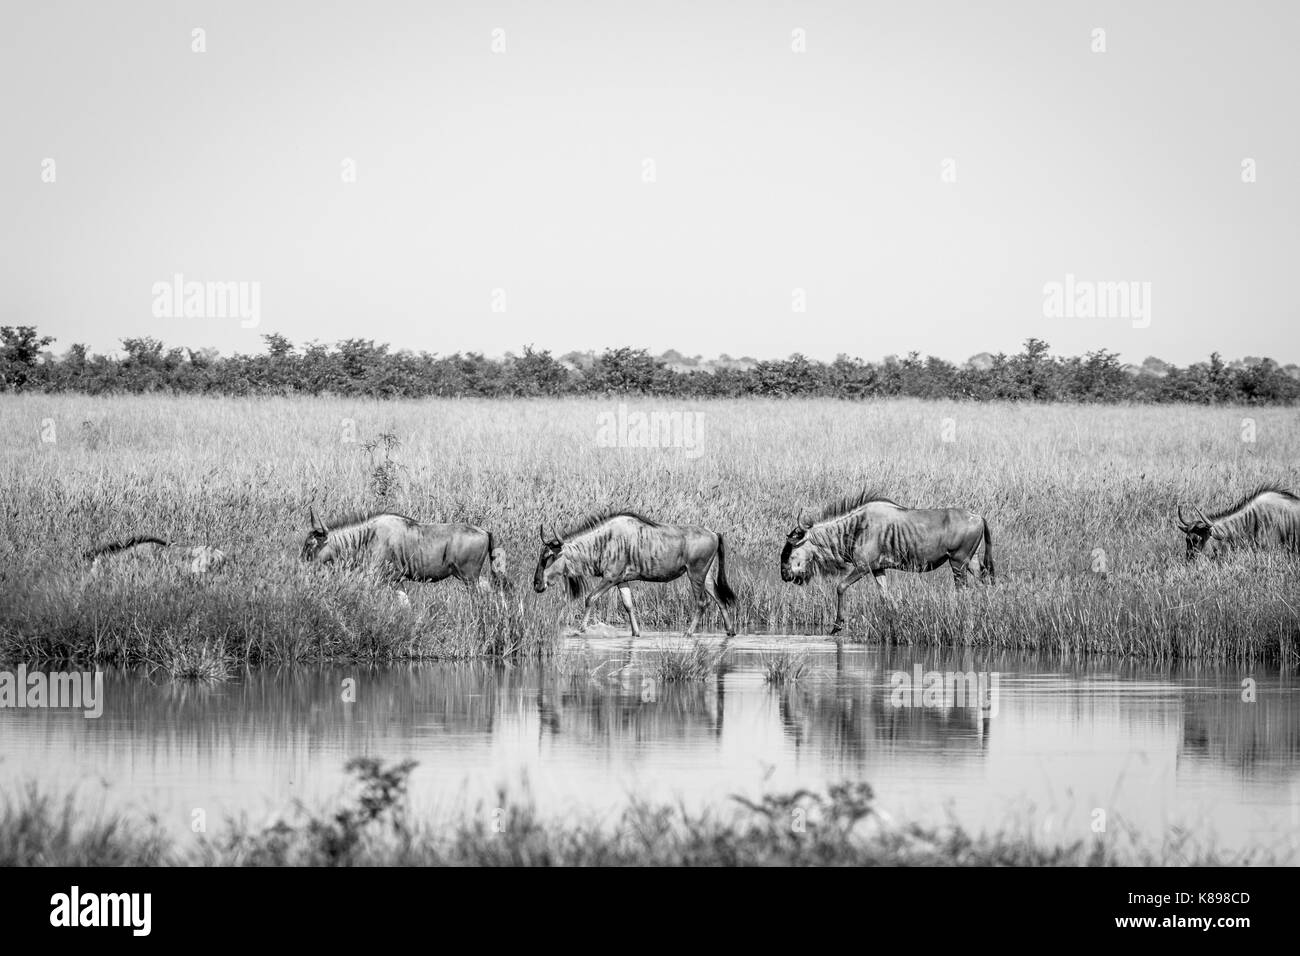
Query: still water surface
{"x": 1153, "y": 746}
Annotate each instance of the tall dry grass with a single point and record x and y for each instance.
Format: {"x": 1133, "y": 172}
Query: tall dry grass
{"x": 1056, "y": 483}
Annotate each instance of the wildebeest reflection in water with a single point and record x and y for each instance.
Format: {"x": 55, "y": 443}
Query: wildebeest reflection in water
{"x": 856, "y": 718}
{"x": 1165, "y": 743}
{"x": 837, "y": 710}
{"x": 619, "y": 699}
{"x": 1249, "y": 728}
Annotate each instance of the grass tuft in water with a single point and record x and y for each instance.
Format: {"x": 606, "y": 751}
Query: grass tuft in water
{"x": 204, "y": 661}
{"x": 695, "y": 660}
{"x": 782, "y": 667}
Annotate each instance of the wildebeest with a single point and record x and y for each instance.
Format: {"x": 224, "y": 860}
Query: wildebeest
{"x": 1268, "y": 517}
{"x": 406, "y": 549}
{"x": 201, "y": 559}
{"x": 869, "y": 534}
{"x": 611, "y": 550}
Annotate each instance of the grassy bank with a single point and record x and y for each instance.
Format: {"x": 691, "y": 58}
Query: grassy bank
{"x": 374, "y": 828}
{"x": 1081, "y": 501}
{"x": 207, "y": 627}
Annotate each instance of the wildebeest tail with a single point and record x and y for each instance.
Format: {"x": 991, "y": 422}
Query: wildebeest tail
{"x": 497, "y": 565}
{"x": 987, "y": 565}
{"x": 113, "y": 547}
{"x": 725, "y": 594}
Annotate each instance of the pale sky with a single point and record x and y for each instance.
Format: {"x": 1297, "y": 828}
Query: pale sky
{"x": 774, "y": 170}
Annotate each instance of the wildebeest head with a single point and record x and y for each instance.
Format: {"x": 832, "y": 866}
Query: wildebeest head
{"x": 314, "y": 546}
{"x": 550, "y": 564}
{"x": 797, "y": 556}
{"x": 1203, "y": 538}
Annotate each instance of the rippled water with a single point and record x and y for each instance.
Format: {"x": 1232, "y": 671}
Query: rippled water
{"x": 1050, "y": 742}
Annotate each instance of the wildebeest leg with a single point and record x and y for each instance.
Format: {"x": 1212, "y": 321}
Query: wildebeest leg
{"x": 470, "y": 573}
{"x": 847, "y": 582}
{"x": 712, "y": 588}
{"x": 701, "y": 601}
{"x": 625, "y": 595}
{"x": 960, "y": 569}
{"x": 594, "y": 595}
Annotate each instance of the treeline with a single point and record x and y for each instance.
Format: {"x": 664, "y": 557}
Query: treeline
{"x": 360, "y": 367}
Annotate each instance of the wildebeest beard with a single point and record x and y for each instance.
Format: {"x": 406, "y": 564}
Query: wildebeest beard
{"x": 826, "y": 549}
{"x": 786, "y": 574}
{"x": 573, "y": 583}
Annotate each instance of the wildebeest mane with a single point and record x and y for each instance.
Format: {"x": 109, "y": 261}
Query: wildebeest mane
{"x": 1261, "y": 490}
{"x": 838, "y": 509}
{"x": 115, "y": 547}
{"x": 596, "y": 519}
{"x": 342, "y": 522}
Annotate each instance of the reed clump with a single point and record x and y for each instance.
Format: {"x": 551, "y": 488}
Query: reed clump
{"x": 785, "y": 667}
{"x": 693, "y": 660}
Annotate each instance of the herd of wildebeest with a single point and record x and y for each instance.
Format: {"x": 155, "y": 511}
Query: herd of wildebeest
{"x": 856, "y": 536}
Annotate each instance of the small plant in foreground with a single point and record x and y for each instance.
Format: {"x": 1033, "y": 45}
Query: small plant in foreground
{"x": 834, "y": 827}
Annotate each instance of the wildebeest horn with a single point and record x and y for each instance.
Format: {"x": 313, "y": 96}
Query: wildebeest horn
{"x": 1201, "y": 514}
{"x": 1182, "y": 522}
{"x": 541, "y": 532}
{"x": 315, "y": 523}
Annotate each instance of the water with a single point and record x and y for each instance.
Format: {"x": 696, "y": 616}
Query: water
{"x": 1050, "y": 745}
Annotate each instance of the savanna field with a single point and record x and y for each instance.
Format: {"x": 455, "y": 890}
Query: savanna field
{"x": 1081, "y": 502}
